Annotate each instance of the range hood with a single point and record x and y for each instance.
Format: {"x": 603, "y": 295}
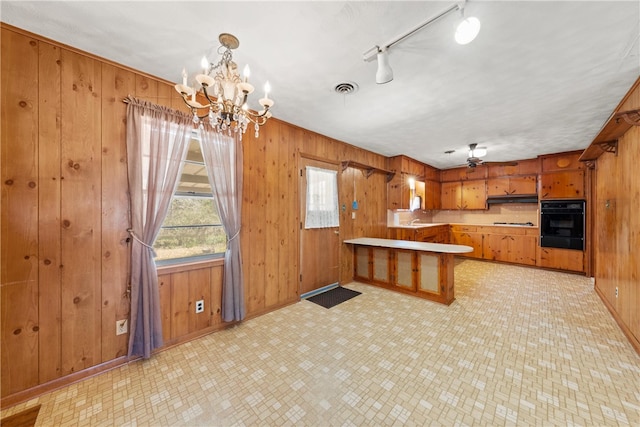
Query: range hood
{"x": 520, "y": 198}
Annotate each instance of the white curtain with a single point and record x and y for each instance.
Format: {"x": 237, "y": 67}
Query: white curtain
{"x": 157, "y": 143}
{"x": 222, "y": 155}
{"x": 322, "y": 198}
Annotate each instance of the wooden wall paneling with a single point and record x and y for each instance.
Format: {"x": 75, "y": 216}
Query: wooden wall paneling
{"x": 81, "y": 212}
{"x": 49, "y": 140}
{"x": 164, "y": 289}
{"x": 180, "y": 304}
{"x": 19, "y": 280}
{"x": 146, "y": 89}
{"x": 215, "y": 301}
{"x": 165, "y": 94}
{"x": 272, "y": 215}
{"x": 116, "y": 85}
{"x": 606, "y": 232}
{"x": 629, "y": 190}
{"x": 287, "y": 243}
{"x": 199, "y": 289}
{"x": 255, "y": 177}
{"x": 632, "y": 152}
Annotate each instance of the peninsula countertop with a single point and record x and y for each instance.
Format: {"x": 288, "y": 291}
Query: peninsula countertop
{"x": 410, "y": 245}
{"x": 419, "y": 225}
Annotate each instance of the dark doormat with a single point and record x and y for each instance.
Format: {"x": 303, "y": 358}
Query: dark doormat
{"x": 26, "y": 418}
{"x": 333, "y": 297}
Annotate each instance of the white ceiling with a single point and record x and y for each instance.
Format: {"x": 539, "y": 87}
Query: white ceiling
{"x": 541, "y": 77}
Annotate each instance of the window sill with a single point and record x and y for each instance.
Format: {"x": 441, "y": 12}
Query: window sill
{"x": 190, "y": 265}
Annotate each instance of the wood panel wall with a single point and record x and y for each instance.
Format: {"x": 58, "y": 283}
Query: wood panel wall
{"x": 65, "y": 257}
{"x": 617, "y": 227}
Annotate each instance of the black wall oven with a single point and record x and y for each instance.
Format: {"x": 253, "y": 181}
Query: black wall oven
{"x": 562, "y": 224}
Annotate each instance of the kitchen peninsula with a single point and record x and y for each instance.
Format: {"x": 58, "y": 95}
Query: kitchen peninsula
{"x": 421, "y": 269}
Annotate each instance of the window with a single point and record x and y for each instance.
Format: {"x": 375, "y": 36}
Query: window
{"x": 322, "y": 198}
{"x": 192, "y": 228}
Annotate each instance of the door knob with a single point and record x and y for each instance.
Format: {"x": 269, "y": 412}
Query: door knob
{"x": 336, "y": 231}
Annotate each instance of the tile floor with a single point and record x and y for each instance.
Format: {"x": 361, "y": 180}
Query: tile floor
{"x": 519, "y": 346}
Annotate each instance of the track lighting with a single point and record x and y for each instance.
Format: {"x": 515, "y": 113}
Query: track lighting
{"x": 384, "y": 73}
{"x": 466, "y": 31}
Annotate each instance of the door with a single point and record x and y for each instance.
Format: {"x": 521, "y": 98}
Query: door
{"x": 319, "y": 245}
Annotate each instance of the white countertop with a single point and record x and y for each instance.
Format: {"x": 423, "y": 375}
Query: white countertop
{"x": 419, "y": 225}
{"x": 407, "y": 244}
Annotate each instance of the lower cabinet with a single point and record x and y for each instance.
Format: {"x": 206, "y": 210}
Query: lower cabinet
{"x": 516, "y": 249}
{"x": 507, "y": 244}
{"x": 562, "y": 259}
{"x": 428, "y": 275}
{"x": 469, "y": 236}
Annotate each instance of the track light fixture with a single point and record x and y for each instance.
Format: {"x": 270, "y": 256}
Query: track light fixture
{"x": 466, "y": 31}
{"x": 384, "y": 73}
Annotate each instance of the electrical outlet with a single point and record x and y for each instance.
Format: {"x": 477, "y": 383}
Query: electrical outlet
{"x": 616, "y": 292}
{"x": 200, "y": 306}
{"x": 122, "y": 326}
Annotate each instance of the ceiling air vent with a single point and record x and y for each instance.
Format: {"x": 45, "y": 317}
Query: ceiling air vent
{"x": 346, "y": 88}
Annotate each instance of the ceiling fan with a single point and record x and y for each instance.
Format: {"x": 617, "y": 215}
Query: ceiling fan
{"x": 474, "y": 159}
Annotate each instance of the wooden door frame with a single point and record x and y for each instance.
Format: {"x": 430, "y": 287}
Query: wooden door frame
{"x": 302, "y": 155}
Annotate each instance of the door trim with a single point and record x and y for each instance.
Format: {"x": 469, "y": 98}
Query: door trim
{"x": 299, "y": 171}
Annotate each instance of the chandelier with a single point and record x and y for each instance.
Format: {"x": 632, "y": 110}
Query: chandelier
{"x": 226, "y": 93}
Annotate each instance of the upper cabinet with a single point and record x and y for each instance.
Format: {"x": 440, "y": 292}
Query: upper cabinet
{"x": 562, "y": 177}
{"x": 423, "y": 178}
{"x": 464, "y": 195}
{"x": 512, "y": 185}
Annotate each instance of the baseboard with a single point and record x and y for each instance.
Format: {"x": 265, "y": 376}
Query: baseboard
{"x": 40, "y": 389}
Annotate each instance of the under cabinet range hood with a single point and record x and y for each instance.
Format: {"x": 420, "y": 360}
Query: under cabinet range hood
{"x": 520, "y": 198}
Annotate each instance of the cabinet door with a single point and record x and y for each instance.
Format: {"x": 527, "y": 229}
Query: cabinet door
{"x": 428, "y": 273}
{"x": 474, "y": 194}
{"x": 522, "y": 249}
{"x": 562, "y": 185}
{"x": 496, "y": 247}
{"x": 562, "y": 259}
{"x": 381, "y": 270}
{"x": 469, "y": 239}
{"x": 362, "y": 267}
{"x": 498, "y": 187}
{"x": 451, "y": 195}
{"x": 404, "y": 265}
{"x": 523, "y": 184}
{"x": 432, "y": 198}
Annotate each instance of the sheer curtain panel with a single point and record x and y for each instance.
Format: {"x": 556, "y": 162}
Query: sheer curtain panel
{"x": 322, "y": 198}
{"x": 222, "y": 155}
{"x": 157, "y": 143}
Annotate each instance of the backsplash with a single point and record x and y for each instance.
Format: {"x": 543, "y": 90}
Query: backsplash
{"x": 512, "y": 212}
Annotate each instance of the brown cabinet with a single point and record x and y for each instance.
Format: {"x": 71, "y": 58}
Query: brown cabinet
{"x": 561, "y": 259}
{"x": 464, "y": 195}
{"x": 510, "y": 245}
{"x": 431, "y": 199}
{"x": 516, "y": 245}
{"x": 468, "y": 236}
{"x": 512, "y": 185}
{"x": 562, "y": 176}
{"x": 562, "y": 185}
{"x": 398, "y": 190}
{"x": 432, "y": 234}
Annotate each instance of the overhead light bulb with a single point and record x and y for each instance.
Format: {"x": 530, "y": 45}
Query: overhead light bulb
{"x": 478, "y": 152}
{"x": 384, "y": 73}
{"x": 467, "y": 30}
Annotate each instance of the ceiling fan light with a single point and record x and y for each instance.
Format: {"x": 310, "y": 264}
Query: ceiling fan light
{"x": 478, "y": 152}
{"x": 384, "y": 73}
{"x": 467, "y": 30}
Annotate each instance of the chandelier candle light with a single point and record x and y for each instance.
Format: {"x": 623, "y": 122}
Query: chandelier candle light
{"x": 226, "y": 92}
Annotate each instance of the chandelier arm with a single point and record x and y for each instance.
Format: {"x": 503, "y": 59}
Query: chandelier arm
{"x": 206, "y": 95}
